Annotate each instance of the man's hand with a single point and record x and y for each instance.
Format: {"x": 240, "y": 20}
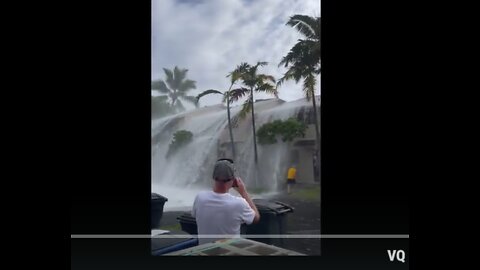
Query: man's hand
{"x": 240, "y": 186}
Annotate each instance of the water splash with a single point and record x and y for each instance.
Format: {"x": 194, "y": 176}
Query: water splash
{"x": 189, "y": 170}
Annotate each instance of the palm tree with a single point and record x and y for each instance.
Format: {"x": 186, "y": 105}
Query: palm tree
{"x": 160, "y": 107}
{"x": 253, "y": 82}
{"x": 303, "y": 62}
{"x": 176, "y": 87}
{"x": 234, "y": 76}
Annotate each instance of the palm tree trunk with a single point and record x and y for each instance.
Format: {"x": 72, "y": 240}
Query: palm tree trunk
{"x": 254, "y": 138}
{"x": 317, "y": 132}
{"x": 253, "y": 124}
{"x": 229, "y": 123}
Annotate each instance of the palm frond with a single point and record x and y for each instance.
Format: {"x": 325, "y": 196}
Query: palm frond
{"x": 264, "y": 77}
{"x": 246, "y": 108}
{"x": 155, "y": 85}
{"x": 302, "y": 60}
{"x": 179, "y": 106}
{"x": 238, "y": 93}
{"x": 294, "y": 55}
{"x": 267, "y": 88}
{"x": 261, "y": 63}
{"x": 159, "y": 99}
{"x": 309, "y": 86}
{"x": 304, "y": 52}
{"x": 281, "y": 81}
{"x": 293, "y": 73}
{"x": 208, "y": 92}
{"x": 160, "y": 86}
{"x": 187, "y": 85}
{"x": 243, "y": 67}
{"x": 169, "y": 75}
{"x": 234, "y": 76}
{"x": 306, "y": 25}
{"x": 225, "y": 95}
{"x": 289, "y": 75}
{"x": 178, "y": 75}
{"x": 238, "y": 72}
{"x": 192, "y": 99}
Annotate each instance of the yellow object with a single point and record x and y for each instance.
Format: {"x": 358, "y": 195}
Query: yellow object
{"x": 291, "y": 173}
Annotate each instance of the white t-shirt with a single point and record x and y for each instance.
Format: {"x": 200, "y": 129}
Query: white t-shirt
{"x": 218, "y": 213}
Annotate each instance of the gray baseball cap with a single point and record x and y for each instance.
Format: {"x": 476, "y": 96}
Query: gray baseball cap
{"x": 224, "y": 170}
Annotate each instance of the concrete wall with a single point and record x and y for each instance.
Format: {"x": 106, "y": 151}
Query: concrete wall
{"x": 305, "y": 173}
{"x": 305, "y": 166}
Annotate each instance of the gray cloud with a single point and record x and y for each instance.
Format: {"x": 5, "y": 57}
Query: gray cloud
{"x": 211, "y": 37}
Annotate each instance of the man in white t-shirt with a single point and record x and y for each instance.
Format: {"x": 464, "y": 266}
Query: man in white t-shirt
{"x": 217, "y": 212}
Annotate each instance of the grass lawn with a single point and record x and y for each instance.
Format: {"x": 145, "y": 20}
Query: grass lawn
{"x": 175, "y": 227}
{"x": 308, "y": 194}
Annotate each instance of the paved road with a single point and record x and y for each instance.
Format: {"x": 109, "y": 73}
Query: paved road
{"x": 305, "y": 219}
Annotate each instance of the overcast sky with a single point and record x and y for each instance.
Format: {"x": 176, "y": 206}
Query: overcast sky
{"x": 211, "y": 37}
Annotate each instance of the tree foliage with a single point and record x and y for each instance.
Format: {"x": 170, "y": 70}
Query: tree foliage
{"x": 286, "y": 130}
{"x": 180, "y": 139}
{"x": 175, "y": 88}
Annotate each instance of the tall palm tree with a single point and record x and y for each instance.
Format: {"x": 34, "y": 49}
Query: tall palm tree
{"x": 176, "y": 87}
{"x": 234, "y": 76}
{"x": 303, "y": 62}
{"x": 253, "y": 82}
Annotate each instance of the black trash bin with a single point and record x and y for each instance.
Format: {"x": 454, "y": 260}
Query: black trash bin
{"x": 273, "y": 220}
{"x": 188, "y": 223}
{"x": 157, "y": 203}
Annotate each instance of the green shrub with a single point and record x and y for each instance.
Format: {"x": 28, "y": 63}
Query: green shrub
{"x": 287, "y": 130}
{"x": 180, "y": 139}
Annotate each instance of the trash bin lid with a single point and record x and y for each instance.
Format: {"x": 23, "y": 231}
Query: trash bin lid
{"x": 272, "y": 206}
{"x": 156, "y": 196}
